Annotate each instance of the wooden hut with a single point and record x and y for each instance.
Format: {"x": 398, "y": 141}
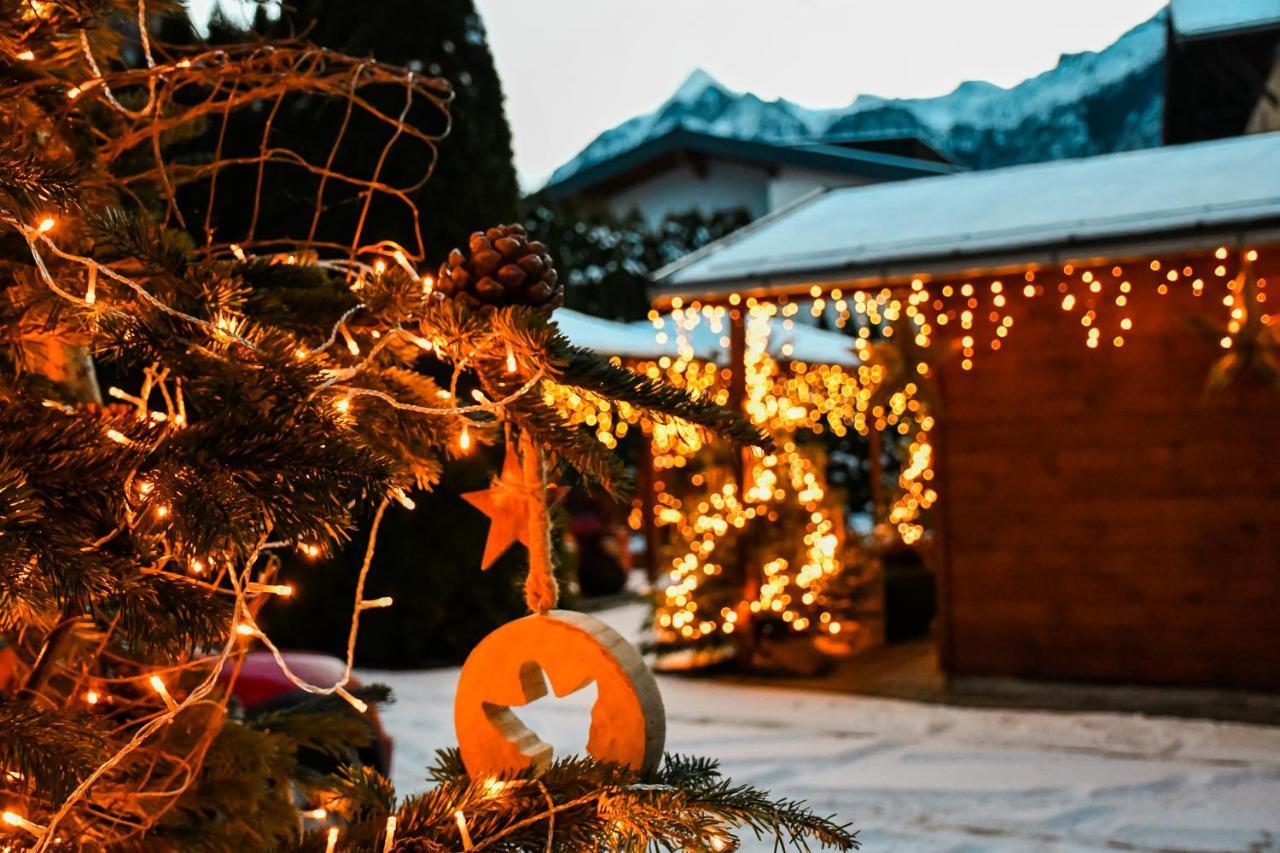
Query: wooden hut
{"x": 1102, "y": 515}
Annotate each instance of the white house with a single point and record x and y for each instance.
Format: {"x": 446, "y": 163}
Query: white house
{"x": 686, "y": 170}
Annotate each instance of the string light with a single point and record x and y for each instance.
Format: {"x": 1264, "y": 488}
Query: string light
{"x": 354, "y": 701}
{"x": 17, "y": 820}
{"x": 158, "y": 685}
{"x": 390, "y": 839}
{"x": 464, "y": 439}
{"x": 331, "y": 840}
{"x": 461, "y": 820}
{"x": 256, "y": 588}
{"x": 352, "y": 346}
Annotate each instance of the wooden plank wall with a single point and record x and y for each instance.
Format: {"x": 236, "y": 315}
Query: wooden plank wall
{"x": 1104, "y": 518}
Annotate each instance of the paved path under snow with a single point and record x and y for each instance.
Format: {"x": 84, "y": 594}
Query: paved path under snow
{"x": 914, "y": 777}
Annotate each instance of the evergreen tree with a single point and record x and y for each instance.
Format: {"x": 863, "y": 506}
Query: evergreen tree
{"x": 263, "y": 400}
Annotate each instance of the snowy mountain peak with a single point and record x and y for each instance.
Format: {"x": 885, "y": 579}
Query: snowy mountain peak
{"x": 1090, "y": 103}
{"x": 693, "y": 87}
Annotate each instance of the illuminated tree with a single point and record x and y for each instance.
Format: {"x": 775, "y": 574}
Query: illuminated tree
{"x": 265, "y": 394}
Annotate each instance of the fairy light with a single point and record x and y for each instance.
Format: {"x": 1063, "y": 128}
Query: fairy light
{"x": 46, "y": 225}
{"x": 244, "y": 629}
{"x": 420, "y": 341}
{"x": 331, "y": 840}
{"x": 315, "y": 814}
{"x": 375, "y": 603}
{"x": 158, "y": 685}
{"x": 354, "y": 701}
{"x": 390, "y": 839}
{"x": 257, "y": 588}
{"x": 403, "y": 263}
{"x": 25, "y": 55}
{"x": 16, "y": 820}
{"x": 238, "y": 252}
{"x": 92, "y": 697}
{"x": 464, "y": 439}
{"x": 511, "y": 360}
{"x": 352, "y": 346}
{"x": 461, "y": 820}
{"x": 493, "y": 787}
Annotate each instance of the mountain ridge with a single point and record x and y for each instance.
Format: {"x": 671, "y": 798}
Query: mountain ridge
{"x": 1090, "y": 102}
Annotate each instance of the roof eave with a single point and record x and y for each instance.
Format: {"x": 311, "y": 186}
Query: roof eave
{"x": 889, "y": 271}
{"x": 829, "y": 159}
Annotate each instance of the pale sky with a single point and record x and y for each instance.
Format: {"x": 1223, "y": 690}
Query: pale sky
{"x": 573, "y": 68}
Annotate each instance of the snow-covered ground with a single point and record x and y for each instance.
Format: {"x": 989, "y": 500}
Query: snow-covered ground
{"x": 915, "y": 777}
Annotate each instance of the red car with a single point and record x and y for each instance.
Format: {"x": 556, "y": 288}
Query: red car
{"x": 262, "y": 686}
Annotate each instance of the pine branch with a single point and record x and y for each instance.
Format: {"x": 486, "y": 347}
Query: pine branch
{"x": 48, "y": 750}
{"x": 119, "y": 235}
{"x": 684, "y": 805}
{"x": 160, "y": 616}
{"x": 324, "y": 724}
{"x": 572, "y": 365}
{"x": 31, "y": 187}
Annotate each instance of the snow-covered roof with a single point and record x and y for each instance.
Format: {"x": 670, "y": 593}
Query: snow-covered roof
{"x": 640, "y": 340}
{"x": 1042, "y": 212}
{"x": 1192, "y": 18}
{"x": 606, "y": 337}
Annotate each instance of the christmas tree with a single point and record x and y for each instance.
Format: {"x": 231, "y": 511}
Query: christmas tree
{"x": 264, "y": 394}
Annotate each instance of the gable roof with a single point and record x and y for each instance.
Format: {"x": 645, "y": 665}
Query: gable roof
{"x": 635, "y": 163}
{"x": 1205, "y": 18}
{"x": 1206, "y": 193}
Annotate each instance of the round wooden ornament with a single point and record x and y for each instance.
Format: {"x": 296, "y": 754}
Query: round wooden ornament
{"x": 505, "y": 671}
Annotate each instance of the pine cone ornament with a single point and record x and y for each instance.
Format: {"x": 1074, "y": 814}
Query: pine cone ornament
{"x": 503, "y": 267}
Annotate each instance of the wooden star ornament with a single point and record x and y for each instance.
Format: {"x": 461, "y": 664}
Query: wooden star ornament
{"x": 509, "y": 503}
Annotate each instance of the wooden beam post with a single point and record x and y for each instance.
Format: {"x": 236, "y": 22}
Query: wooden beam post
{"x": 648, "y": 507}
{"x": 744, "y": 628}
